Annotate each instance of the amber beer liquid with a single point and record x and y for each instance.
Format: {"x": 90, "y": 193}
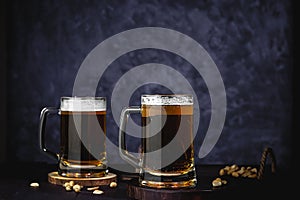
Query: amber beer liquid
{"x": 82, "y": 136}
{"x": 175, "y": 120}
{"x": 166, "y": 159}
{"x": 77, "y": 157}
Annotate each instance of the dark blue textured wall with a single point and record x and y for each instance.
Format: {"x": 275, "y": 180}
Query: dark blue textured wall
{"x": 250, "y": 42}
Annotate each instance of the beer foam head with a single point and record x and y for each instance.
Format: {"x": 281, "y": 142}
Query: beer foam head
{"x": 175, "y": 99}
{"x": 83, "y": 104}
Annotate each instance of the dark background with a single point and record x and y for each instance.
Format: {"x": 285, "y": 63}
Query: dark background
{"x": 43, "y": 44}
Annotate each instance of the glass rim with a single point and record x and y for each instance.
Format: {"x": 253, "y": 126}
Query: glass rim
{"x": 167, "y": 99}
{"x": 82, "y": 98}
{"x": 86, "y": 103}
{"x": 167, "y": 95}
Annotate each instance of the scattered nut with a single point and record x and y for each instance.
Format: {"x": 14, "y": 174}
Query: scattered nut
{"x": 71, "y": 183}
{"x": 254, "y": 170}
{"x": 113, "y": 184}
{"x": 241, "y": 171}
{"x": 218, "y": 179}
{"x": 252, "y": 176}
{"x": 66, "y": 184}
{"x": 222, "y": 172}
{"x": 34, "y": 184}
{"x": 216, "y": 183}
{"x": 98, "y": 192}
{"x": 234, "y": 166}
{"x": 232, "y": 169}
{"x": 93, "y": 188}
{"x": 72, "y": 186}
{"x": 236, "y": 171}
{"x": 235, "y": 174}
{"x": 77, "y": 188}
{"x": 247, "y": 173}
{"x": 68, "y": 188}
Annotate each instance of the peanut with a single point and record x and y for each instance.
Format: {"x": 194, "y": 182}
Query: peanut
{"x": 68, "y": 188}
{"x": 66, "y": 184}
{"x": 34, "y": 184}
{"x": 98, "y": 192}
{"x": 93, "y": 188}
{"x": 113, "y": 184}
{"x": 77, "y": 188}
{"x": 218, "y": 182}
{"x": 222, "y": 172}
{"x": 235, "y": 174}
{"x": 71, "y": 183}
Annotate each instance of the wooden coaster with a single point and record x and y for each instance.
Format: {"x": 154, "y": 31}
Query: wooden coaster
{"x": 56, "y": 179}
{"x": 138, "y": 192}
{"x": 201, "y": 191}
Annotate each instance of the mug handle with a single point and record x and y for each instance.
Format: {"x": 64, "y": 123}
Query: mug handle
{"x": 43, "y": 116}
{"x": 122, "y": 141}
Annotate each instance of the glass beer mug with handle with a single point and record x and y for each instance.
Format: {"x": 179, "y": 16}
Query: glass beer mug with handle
{"x": 82, "y": 136}
{"x": 167, "y": 151}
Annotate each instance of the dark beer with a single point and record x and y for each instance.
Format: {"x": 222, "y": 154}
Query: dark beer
{"x": 172, "y": 120}
{"x": 82, "y": 149}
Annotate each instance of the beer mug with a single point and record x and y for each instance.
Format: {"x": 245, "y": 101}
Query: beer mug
{"x": 82, "y": 136}
{"x": 167, "y": 151}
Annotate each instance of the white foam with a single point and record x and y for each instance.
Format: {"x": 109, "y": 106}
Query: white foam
{"x": 167, "y": 99}
{"x": 83, "y": 104}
